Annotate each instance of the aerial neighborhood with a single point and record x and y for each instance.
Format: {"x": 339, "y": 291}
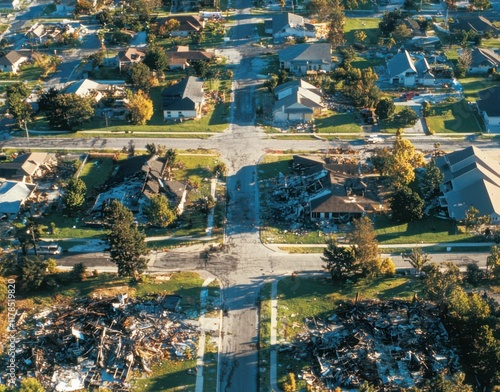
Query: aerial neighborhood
{"x": 250, "y": 195}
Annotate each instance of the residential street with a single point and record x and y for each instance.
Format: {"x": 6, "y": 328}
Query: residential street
{"x": 245, "y": 264}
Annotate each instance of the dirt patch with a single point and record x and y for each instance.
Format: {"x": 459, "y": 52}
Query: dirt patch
{"x": 112, "y": 292}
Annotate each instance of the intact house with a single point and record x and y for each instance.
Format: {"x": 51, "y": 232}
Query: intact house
{"x": 289, "y": 25}
{"x": 12, "y": 61}
{"x": 129, "y": 57}
{"x": 28, "y": 167}
{"x": 471, "y": 178}
{"x": 405, "y": 71}
{"x": 297, "y": 101}
{"x": 184, "y": 99}
{"x": 180, "y": 57}
{"x": 489, "y": 108}
{"x": 476, "y": 23}
{"x": 189, "y": 24}
{"x": 483, "y": 61}
{"x": 305, "y": 59}
{"x": 13, "y": 195}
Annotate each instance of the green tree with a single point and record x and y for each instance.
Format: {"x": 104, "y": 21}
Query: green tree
{"x": 17, "y": 95}
{"x": 364, "y": 244}
{"x": 220, "y": 169}
{"x": 140, "y": 77}
{"x": 140, "y": 107}
{"x": 481, "y": 5}
{"x": 408, "y": 116}
{"x": 127, "y": 244}
{"x": 79, "y": 271}
{"x": 74, "y": 195}
{"x": 340, "y": 260}
{"x": 336, "y": 23}
{"x": 493, "y": 261}
{"x": 381, "y": 158}
{"x": 431, "y": 180}
{"x": 290, "y": 385}
{"x": 97, "y": 58}
{"x": 70, "y": 111}
{"x": 170, "y": 159}
{"x": 159, "y": 212}
{"x": 401, "y": 32}
{"x": 473, "y": 220}
{"x": 32, "y": 272}
{"x": 272, "y": 82}
{"x": 31, "y": 385}
{"x": 320, "y": 8}
{"x": 156, "y": 58}
{"x": 406, "y": 205}
{"x": 440, "y": 280}
{"x": 169, "y": 26}
{"x": 201, "y": 68}
{"x": 385, "y": 109}
{"x": 360, "y": 35}
{"x": 390, "y": 20}
{"x": 416, "y": 258}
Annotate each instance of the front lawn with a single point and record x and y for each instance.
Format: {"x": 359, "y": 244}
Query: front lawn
{"x": 452, "y": 117}
{"x": 471, "y": 86}
{"x": 332, "y": 122}
{"x": 427, "y": 230}
{"x": 394, "y": 123}
{"x": 96, "y": 172}
{"x": 368, "y": 25}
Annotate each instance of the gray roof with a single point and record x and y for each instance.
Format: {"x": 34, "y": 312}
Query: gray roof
{"x": 296, "y": 83}
{"x": 307, "y": 52}
{"x": 185, "y": 95}
{"x": 484, "y": 57}
{"x": 299, "y": 101}
{"x": 12, "y": 195}
{"x": 400, "y": 63}
{"x": 489, "y": 101}
{"x": 342, "y": 204}
{"x": 281, "y": 21}
{"x": 476, "y": 23}
{"x": 11, "y": 58}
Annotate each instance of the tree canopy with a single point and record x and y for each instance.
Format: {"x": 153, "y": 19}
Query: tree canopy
{"x": 406, "y": 205}
{"x": 340, "y": 260}
{"x": 385, "y": 109}
{"x": 416, "y": 258}
{"x": 336, "y": 22}
{"x": 74, "y": 195}
{"x": 70, "y": 110}
{"x": 159, "y": 212}
{"x": 364, "y": 244}
{"x": 156, "y": 58}
{"x": 140, "y": 77}
{"x": 402, "y": 162}
{"x": 17, "y": 95}
{"x": 140, "y": 107}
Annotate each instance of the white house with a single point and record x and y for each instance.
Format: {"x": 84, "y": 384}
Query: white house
{"x": 12, "y": 61}
{"x": 184, "y": 99}
{"x": 483, "y": 61}
{"x": 404, "y": 71}
{"x": 289, "y": 25}
{"x": 305, "y": 59}
{"x": 13, "y": 194}
{"x": 297, "y": 101}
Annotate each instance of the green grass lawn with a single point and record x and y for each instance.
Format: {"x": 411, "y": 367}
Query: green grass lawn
{"x": 276, "y": 235}
{"x": 393, "y": 124}
{"x": 452, "y": 117}
{"x": 472, "y": 85}
{"x": 368, "y": 25}
{"x": 334, "y": 122}
{"x": 96, "y": 172}
{"x": 427, "y": 230}
{"x": 492, "y": 43}
{"x": 271, "y": 165}
{"x": 362, "y": 63}
{"x": 301, "y": 298}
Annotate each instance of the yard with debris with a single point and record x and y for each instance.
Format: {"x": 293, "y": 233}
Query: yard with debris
{"x": 106, "y": 331}
{"x": 333, "y": 334}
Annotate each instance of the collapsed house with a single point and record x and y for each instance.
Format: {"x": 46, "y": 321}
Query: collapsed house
{"x": 325, "y": 191}
{"x": 391, "y": 344}
{"x": 101, "y": 342}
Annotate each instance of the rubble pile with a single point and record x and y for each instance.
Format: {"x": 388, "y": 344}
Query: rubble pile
{"x": 101, "y": 342}
{"x": 392, "y": 344}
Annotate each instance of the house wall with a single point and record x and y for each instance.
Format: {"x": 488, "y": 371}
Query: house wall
{"x": 179, "y": 33}
{"x": 6, "y": 68}
{"x": 301, "y": 69}
{"x": 180, "y": 114}
{"x": 289, "y": 31}
{"x": 479, "y": 70}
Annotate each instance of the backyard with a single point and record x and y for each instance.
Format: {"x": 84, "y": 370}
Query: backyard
{"x": 332, "y": 122}
{"x": 368, "y": 25}
{"x": 471, "y": 86}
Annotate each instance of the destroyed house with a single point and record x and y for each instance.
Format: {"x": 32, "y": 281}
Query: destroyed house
{"x": 27, "y": 167}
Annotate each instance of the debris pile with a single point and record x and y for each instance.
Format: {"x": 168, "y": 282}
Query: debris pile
{"x": 101, "y": 342}
{"x": 392, "y": 344}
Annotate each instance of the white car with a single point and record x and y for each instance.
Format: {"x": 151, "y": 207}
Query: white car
{"x": 373, "y": 139}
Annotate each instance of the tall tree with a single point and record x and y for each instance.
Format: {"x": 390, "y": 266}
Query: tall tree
{"x": 473, "y": 220}
{"x": 140, "y": 77}
{"x": 17, "y": 95}
{"x": 401, "y": 32}
{"x": 159, "y": 212}
{"x": 169, "y": 26}
{"x": 416, "y": 258}
{"x": 170, "y": 159}
{"x": 385, "y": 109}
{"x": 431, "y": 180}
{"x": 74, "y": 195}
{"x": 32, "y": 271}
{"x": 156, "y": 58}
{"x": 70, "y": 111}
{"x": 440, "y": 280}
{"x": 402, "y": 162}
{"x": 336, "y": 23}
{"x": 140, "y": 107}
{"x": 340, "y": 260}
{"x": 406, "y": 205}
{"x": 364, "y": 243}
{"x": 493, "y": 261}
{"x": 127, "y": 244}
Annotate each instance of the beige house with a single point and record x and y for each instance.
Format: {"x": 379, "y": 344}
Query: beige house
{"x": 12, "y": 61}
{"x": 130, "y": 57}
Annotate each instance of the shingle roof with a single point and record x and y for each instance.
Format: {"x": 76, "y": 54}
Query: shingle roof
{"x": 484, "y": 57}
{"x": 296, "y": 83}
{"x": 477, "y": 23}
{"x": 489, "y": 101}
{"x": 83, "y": 87}
{"x": 184, "y": 95}
{"x": 190, "y": 23}
{"x": 181, "y": 54}
{"x": 132, "y": 55}
{"x": 342, "y": 204}
{"x": 400, "y": 63}
{"x": 307, "y": 52}
{"x": 299, "y": 101}
{"x": 281, "y": 21}
{"x": 11, "y": 58}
